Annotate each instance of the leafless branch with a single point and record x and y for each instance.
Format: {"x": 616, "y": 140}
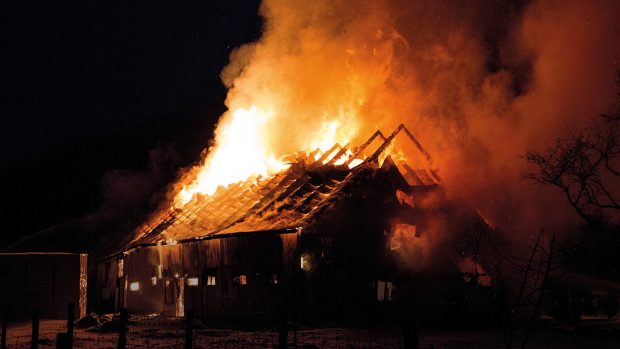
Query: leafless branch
{"x": 582, "y": 167}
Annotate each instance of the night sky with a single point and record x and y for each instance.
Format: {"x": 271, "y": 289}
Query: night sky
{"x": 90, "y": 89}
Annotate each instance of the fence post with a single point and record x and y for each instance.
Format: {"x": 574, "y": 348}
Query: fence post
{"x": 189, "y": 328}
{"x": 282, "y": 319}
{"x": 70, "y": 324}
{"x": 62, "y": 341}
{"x": 5, "y": 323}
{"x": 122, "y": 329}
{"x": 34, "y": 339}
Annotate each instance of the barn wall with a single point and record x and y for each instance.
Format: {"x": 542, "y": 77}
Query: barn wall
{"x": 344, "y": 268}
{"x": 44, "y": 281}
{"x": 143, "y": 294}
{"x": 220, "y": 279}
{"x": 103, "y": 292}
{"x": 347, "y": 263}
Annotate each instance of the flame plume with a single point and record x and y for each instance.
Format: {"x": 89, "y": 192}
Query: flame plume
{"x": 478, "y": 85}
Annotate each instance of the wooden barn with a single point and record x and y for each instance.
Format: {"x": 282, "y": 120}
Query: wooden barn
{"x": 315, "y": 239}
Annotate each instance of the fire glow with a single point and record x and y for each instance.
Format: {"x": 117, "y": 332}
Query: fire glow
{"x": 323, "y": 74}
{"x": 239, "y": 153}
{"x": 242, "y": 151}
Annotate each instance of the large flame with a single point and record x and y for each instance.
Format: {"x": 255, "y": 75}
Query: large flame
{"x": 242, "y": 150}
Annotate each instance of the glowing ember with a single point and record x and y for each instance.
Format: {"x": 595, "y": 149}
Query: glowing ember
{"x": 343, "y": 158}
{"x": 486, "y": 219}
{"x": 355, "y": 162}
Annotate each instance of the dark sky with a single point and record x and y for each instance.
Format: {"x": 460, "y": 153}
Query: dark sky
{"x": 90, "y": 87}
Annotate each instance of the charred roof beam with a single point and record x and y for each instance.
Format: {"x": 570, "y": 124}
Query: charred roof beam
{"x": 389, "y": 140}
{"x": 365, "y": 145}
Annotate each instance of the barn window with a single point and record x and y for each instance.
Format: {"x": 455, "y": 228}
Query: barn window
{"x": 154, "y": 280}
{"x": 168, "y": 292}
{"x": 210, "y": 280}
{"x": 385, "y": 291}
{"x": 304, "y": 262}
{"x": 134, "y": 286}
{"x": 241, "y": 280}
{"x": 192, "y": 282}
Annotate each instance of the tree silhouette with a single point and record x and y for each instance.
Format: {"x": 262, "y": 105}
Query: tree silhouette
{"x": 586, "y": 168}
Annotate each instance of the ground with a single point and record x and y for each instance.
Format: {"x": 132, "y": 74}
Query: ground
{"x": 156, "y": 332}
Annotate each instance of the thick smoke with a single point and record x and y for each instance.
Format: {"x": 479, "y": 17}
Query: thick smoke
{"x": 478, "y": 82}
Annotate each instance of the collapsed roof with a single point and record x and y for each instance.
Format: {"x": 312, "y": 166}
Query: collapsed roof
{"x": 288, "y": 200}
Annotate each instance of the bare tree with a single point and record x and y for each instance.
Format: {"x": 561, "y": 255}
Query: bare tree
{"x": 586, "y": 168}
{"x": 521, "y": 284}
{"x": 521, "y": 278}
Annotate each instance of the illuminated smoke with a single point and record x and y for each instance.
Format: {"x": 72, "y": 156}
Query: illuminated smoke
{"x": 478, "y": 82}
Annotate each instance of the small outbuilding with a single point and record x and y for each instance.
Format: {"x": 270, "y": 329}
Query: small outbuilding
{"x": 46, "y": 281}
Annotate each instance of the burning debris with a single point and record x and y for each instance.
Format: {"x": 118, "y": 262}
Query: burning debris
{"x": 287, "y": 200}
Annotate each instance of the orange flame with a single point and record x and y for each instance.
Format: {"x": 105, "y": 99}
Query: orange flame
{"x": 326, "y": 72}
{"x": 242, "y": 150}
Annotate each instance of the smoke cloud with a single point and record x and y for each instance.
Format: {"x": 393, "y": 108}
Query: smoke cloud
{"x": 478, "y": 82}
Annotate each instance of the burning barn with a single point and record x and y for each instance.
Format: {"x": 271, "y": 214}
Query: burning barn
{"x": 319, "y": 237}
